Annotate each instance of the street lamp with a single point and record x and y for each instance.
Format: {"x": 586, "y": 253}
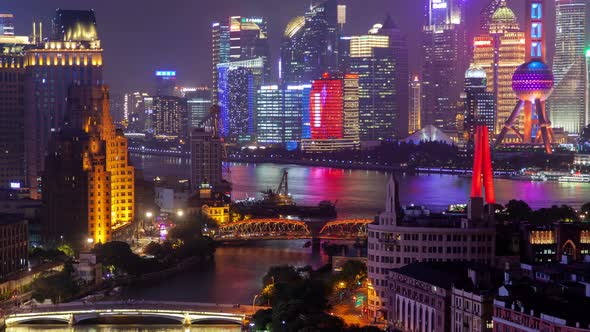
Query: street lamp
{"x": 149, "y": 214}
{"x": 180, "y": 213}
{"x": 254, "y": 303}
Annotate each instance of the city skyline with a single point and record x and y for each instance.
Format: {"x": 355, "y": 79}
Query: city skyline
{"x": 184, "y": 39}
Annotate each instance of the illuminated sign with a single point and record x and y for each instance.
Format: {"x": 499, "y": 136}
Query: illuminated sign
{"x": 482, "y": 43}
{"x": 256, "y": 20}
{"x": 439, "y": 4}
{"x": 165, "y": 73}
{"x": 15, "y": 185}
{"x": 588, "y": 53}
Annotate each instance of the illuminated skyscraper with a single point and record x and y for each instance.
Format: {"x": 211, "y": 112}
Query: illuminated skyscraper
{"x": 170, "y": 116}
{"x": 399, "y": 46}
{"x": 499, "y": 51}
{"x": 165, "y": 82}
{"x": 72, "y": 55}
{"x": 480, "y": 105}
{"x": 198, "y": 104}
{"x": 7, "y": 25}
{"x": 279, "y": 114}
{"x": 249, "y": 40}
{"x": 89, "y": 186}
{"x": 206, "y": 158}
{"x": 220, "y": 49}
{"x": 444, "y": 41}
{"x": 238, "y": 83}
{"x": 485, "y": 17}
{"x": 12, "y": 125}
{"x": 373, "y": 60}
{"x": 321, "y": 40}
{"x": 293, "y": 52}
{"x": 333, "y": 114}
{"x": 135, "y": 111}
{"x": 415, "y": 106}
{"x": 567, "y": 105}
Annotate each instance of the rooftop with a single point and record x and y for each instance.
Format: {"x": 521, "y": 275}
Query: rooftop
{"x": 439, "y": 274}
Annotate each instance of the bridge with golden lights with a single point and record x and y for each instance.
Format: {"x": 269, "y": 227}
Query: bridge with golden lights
{"x": 185, "y": 313}
{"x": 287, "y": 229}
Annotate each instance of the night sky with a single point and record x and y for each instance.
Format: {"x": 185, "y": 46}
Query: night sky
{"x": 140, "y": 36}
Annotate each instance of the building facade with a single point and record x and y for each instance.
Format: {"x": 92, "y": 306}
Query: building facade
{"x": 12, "y": 103}
{"x": 568, "y": 104}
{"x": 420, "y": 237}
{"x": 479, "y": 104}
{"x": 14, "y": 244}
{"x": 170, "y": 118}
{"x": 165, "y": 82}
{"x": 206, "y": 159}
{"x": 198, "y": 104}
{"x": 89, "y": 185}
{"x": 333, "y": 114}
{"x": 373, "y": 61}
{"x": 220, "y": 53}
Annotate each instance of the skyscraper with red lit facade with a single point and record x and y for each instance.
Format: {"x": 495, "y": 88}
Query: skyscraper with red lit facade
{"x": 326, "y": 104}
{"x": 333, "y": 114}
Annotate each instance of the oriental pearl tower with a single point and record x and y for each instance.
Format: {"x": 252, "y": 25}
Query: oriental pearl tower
{"x": 532, "y": 82}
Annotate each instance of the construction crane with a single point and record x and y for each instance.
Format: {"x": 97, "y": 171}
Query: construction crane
{"x": 281, "y": 196}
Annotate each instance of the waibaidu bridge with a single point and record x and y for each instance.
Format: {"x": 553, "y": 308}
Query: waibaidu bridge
{"x": 287, "y": 229}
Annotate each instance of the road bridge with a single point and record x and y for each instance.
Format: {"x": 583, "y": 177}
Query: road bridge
{"x": 185, "y": 313}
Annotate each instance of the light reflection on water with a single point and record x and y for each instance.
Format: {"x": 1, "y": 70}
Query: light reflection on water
{"x": 361, "y": 193}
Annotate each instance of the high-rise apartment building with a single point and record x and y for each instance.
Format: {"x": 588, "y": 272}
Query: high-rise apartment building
{"x": 333, "y": 114}
{"x": 198, "y": 102}
{"x": 567, "y": 105}
{"x": 373, "y": 60}
{"x": 88, "y": 185}
{"x": 12, "y": 125}
{"x": 170, "y": 116}
{"x": 206, "y": 162}
{"x": 445, "y": 53}
{"x": 72, "y": 55}
{"x": 269, "y": 115}
{"x": 499, "y": 51}
{"x": 165, "y": 82}
{"x": 14, "y": 244}
{"x": 415, "y": 110}
{"x": 238, "y": 83}
{"x": 134, "y": 111}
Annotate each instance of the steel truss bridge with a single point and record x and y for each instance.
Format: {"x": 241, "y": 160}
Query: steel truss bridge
{"x": 286, "y": 229}
{"x": 183, "y": 312}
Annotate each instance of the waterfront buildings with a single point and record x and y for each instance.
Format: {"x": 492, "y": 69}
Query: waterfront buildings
{"x": 372, "y": 60}
{"x": 237, "y": 86}
{"x": 170, "y": 116}
{"x": 72, "y": 54}
{"x": 14, "y": 247}
{"x": 279, "y": 115}
{"x": 165, "y": 82}
{"x": 444, "y": 63}
{"x": 206, "y": 158}
{"x": 198, "y": 104}
{"x": 12, "y": 122}
{"x": 499, "y": 51}
{"x": 420, "y": 236}
{"x": 479, "y": 104}
{"x": 333, "y": 114}
{"x": 88, "y": 186}
{"x": 568, "y": 104}
{"x": 415, "y": 106}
